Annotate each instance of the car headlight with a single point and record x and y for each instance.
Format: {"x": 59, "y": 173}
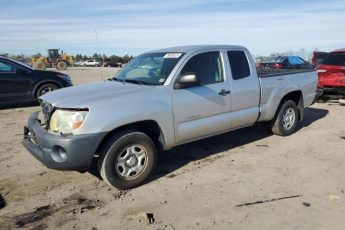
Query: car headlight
{"x": 63, "y": 75}
{"x": 66, "y": 121}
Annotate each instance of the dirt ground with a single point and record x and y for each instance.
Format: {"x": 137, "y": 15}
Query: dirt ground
{"x": 196, "y": 186}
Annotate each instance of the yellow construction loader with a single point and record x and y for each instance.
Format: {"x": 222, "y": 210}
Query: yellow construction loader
{"x": 54, "y": 60}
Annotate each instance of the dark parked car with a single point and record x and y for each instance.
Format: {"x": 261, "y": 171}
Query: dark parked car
{"x": 112, "y": 64}
{"x": 285, "y": 62}
{"x": 19, "y": 82}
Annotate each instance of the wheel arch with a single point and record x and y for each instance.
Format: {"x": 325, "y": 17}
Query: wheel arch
{"x": 150, "y": 127}
{"x": 297, "y": 97}
{"x": 39, "y": 84}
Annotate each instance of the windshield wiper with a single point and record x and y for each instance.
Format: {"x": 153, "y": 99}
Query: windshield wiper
{"x": 136, "y": 81}
{"x": 131, "y": 81}
{"x": 116, "y": 79}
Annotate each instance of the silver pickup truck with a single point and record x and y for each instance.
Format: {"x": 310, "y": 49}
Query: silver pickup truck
{"x": 159, "y": 100}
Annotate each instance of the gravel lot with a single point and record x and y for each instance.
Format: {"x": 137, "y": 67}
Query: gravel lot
{"x": 196, "y": 186}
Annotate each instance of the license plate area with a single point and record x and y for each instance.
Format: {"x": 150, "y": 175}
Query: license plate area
{"x": 30, "y": 135}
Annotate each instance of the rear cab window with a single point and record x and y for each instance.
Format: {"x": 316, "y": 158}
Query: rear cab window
{"x": 239, "y": 64}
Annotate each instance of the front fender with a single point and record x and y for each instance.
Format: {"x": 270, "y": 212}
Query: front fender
{"x": 109, "y": 115}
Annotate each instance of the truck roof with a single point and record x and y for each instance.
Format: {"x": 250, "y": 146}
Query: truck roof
{"x": 196, "y": 48}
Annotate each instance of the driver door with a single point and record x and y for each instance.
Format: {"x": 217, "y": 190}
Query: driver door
{"x": 202, "y": 110}
{"x": 7, "y": 75}
{"x": 15, "y": 84}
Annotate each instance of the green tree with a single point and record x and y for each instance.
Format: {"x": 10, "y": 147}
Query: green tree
{"x": 38, "y": 55}
{"x": 78, "y": 57}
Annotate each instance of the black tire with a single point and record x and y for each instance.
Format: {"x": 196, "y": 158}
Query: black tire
{"x": 41, "y": 66}
{"x": 61, "y": 65}
{"x": 45, "y": 88}
{"x": 281, "y": 127}
{"x": 115, "y": 148}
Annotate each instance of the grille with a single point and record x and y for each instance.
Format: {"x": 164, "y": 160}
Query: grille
{"x": 46, "y": 111}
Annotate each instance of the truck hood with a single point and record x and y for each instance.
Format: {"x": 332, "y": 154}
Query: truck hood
{"x": 83, "y": 96}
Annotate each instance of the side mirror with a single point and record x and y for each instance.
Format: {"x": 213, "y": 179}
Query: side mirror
{"x": 187, "y": 80}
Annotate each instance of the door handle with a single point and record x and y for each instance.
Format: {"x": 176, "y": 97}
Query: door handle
{"x": 224, "y": 92}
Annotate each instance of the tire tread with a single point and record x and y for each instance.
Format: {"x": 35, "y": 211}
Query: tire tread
{"x": 276, "y": 123}
{"x": 105, "y": 155}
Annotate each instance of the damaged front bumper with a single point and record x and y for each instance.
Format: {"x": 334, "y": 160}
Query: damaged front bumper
{"x": 70, "y": 152}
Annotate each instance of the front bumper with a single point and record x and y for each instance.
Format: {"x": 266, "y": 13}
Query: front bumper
{"x": 71, "y": 152}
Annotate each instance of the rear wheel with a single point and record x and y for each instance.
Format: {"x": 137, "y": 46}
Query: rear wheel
{"x": 45, "y": 88}
{"x": 127, "y": 159}
{"x": 285, "y": 122}
{"x": 61, "y": 65}
{"x": 41, "y": 66}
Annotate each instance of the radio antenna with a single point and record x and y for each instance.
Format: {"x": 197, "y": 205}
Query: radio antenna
{"x": 97, "y": 50}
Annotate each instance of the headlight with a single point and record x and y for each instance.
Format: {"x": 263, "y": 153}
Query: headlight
{"x": 64, "y": 76}
{"x": 66, "y": 121}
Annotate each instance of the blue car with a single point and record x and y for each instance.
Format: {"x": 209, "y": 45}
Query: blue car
{"x": 285, "y": 62}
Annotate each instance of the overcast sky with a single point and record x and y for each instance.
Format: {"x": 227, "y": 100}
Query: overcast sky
{"x": 117, "y": 27}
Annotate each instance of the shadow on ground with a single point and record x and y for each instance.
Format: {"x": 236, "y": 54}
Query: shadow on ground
{"x": 2, "y": 202}
{"x": 19, "y": 105}
{"x": 170, "y": 161}
{"x": 176, "y": 158}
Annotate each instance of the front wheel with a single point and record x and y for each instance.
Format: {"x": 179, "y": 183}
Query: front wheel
{"x": 41, "y": 66}
{"x": 61, "y": 65}
{"x": 127, "y": 160}
{"x": 285, "y": 122}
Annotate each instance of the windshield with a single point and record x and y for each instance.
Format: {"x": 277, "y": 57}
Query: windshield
{"x": 319, "y": 57}
{"x": 149, "y": 68}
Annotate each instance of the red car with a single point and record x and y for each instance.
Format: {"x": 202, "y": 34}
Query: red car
{"x": 331, "y": 74}
{"x": 318, "y": 57}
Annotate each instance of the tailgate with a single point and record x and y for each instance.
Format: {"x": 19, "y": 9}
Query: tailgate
{"x": 331, "y": 76}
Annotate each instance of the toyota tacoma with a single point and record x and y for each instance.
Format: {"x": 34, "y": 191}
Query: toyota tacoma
{"x": 162, "y": 99}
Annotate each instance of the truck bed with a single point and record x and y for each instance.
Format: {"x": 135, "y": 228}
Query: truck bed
{"x": 276, "y": 83}
{"x": 262, "y": 73}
